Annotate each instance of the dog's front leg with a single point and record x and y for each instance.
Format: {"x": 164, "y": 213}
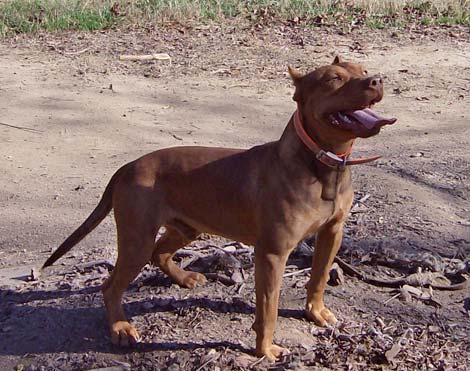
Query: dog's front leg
{"x": 328, "y": 242}
{"x": 270, "y": 262}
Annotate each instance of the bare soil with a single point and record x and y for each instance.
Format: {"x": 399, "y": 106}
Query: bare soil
{"x": 71, "y": 114}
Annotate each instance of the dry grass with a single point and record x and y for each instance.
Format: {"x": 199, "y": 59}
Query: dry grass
{"x": 19, "y": 16}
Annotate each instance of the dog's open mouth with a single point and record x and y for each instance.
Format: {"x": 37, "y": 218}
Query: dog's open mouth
{"x": 363, "y": 120}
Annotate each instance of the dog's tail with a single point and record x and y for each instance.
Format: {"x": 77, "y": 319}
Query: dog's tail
{"x": 103, "y": 208}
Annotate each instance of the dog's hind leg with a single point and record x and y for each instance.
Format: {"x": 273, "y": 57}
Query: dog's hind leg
{"x": 166, "y": 246}
{"x": 136, "y": 239}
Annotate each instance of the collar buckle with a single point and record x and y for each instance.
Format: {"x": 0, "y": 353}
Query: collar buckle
{"x": 331, "y": 159}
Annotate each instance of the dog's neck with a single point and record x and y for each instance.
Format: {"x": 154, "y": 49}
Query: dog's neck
{"x": 291, "y": 145}
{"x": 295, "y": 155}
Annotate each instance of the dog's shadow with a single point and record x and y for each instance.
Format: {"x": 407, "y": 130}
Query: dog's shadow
{"x": 35, "y": 322}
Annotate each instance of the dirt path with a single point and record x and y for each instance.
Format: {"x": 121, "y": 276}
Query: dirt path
{"x": 68, "y": 122}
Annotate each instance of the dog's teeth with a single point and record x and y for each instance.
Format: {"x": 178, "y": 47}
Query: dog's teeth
{"x": 345, "y": 118}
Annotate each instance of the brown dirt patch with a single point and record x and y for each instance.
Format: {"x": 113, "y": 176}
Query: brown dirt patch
{"x": 226, "y": 86}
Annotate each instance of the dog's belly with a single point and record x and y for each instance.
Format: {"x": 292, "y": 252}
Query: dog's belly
{"x": 234, "y": 231}
{"x": 215, "y": 208}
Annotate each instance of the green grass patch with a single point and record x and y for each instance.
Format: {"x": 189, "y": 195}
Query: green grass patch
{"x": 375, "y": 22}
{"x": 26, "y": 16}
{"x": 22, "y": 16}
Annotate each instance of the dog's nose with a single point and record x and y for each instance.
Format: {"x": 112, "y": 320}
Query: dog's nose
{"x": 376, "y": 82}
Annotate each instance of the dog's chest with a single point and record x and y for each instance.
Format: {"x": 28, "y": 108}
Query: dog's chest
{"x": 327, "y": 212}
{"x": 331, "y": 205}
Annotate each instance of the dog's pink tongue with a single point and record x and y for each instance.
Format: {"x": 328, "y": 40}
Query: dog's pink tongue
{"x": 370, "y": 119}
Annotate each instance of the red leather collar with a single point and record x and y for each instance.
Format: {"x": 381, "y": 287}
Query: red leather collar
{"x": 326, "y": 157}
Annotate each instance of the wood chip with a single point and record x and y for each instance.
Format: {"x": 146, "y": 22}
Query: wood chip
{"x": 35, "y": 274}
{"x": 392, "y": 352}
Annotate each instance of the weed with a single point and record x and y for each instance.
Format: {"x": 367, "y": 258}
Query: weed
{"x": 25, "y": 16}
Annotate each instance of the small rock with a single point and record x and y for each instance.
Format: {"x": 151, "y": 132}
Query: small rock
{"x": 237, "y": 277}
{"x": 230, "y": 248}
{"x": 466, "y": 304}
{"x": 405, "y": 296}
{"x": 336, "y": 275}
{"x": 173, "y": 367}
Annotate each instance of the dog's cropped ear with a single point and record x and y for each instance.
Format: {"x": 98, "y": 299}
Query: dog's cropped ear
{"x": 295, "y": 74}
{"x": 338, "y": 60}
{"x": 296, "y": 77}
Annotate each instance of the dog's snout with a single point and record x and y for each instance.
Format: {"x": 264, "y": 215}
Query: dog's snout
{"x": 376, "y": 81}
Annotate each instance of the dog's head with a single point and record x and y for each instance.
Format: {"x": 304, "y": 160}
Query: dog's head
{"x": 336, "y": 100}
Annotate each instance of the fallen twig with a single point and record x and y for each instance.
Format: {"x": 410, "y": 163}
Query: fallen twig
{"x": 222, "y": 278}
{"x": 210, "y": 360}
{"x": 93, "y": 264}
{"x": 258, "y": 361}
{"x": 77, "y": 52}
{"x": 393, "y": 297}
{"x": 36, "y": 131}
{"x": 145, "y": 57}
{"x": 296, "y": 273}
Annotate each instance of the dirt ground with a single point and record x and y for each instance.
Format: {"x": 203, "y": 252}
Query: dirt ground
{"x": 71, "y": 114}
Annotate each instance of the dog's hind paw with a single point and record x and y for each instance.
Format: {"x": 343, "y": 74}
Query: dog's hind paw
{"x": 321, "y": 317}
{"x": 124, "y": 334}
{"x": 272, "y": 353}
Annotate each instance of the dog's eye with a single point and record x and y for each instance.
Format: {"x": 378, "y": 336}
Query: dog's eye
{"x": 335, "y": 78}
{"x": 365, "y": 72}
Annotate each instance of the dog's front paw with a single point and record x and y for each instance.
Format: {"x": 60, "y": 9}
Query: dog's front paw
{"x": 124, "y": 334}
{"x": 190, "y": 279}
{"x": 272, "y": 353}
{"x": 320, "y": 316}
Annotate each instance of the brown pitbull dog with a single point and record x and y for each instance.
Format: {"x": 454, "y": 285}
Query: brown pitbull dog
{"x": 271, "y": 196}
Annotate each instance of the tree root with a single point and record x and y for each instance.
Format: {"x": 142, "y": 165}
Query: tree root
{"x": 425, "y": 280}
